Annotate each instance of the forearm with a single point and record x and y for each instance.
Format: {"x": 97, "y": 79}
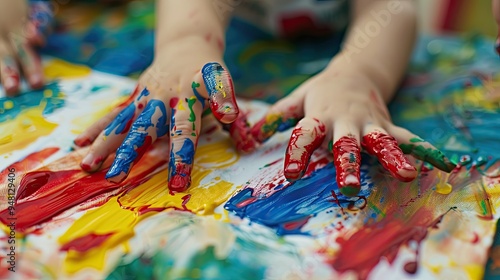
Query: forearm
{"x": 378, "y": 48}
{"x": 206, "y": 18}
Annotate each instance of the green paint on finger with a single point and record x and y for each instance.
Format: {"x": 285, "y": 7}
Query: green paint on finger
{"x": 433, "y": 156}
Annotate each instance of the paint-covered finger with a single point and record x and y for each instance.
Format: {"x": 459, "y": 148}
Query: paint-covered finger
{"x": 283, "y": 115}
{"x": 347, "y": 158}
{"x": 241, "y": 135}
{"x": 90, "y": 134}
{"x": 307, "y": 136}
{"x": 184, "y": 132}
{"x": 151, "y": 124}
{"x": 9, "y": 73}
{"x": 385, "y": 147}
{"x": 31, "y": 63}
{"x": 421, "y": 149}
{"x": 220, "y": 89}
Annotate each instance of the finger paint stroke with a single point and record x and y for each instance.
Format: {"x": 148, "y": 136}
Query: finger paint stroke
{"x": 434, "y": 156}
{"x": 220, "y": 92}
{"x": 271, "y": 124}
{"x": 347, "y": 158}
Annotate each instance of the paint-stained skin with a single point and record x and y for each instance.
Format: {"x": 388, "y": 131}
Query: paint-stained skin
{"x": 220, "y": 91}
{"x": 305, "y": 139}
{"x": 347, "y": 158}
{"x": 386, "y": 149}
{"x": 139, "y": 139}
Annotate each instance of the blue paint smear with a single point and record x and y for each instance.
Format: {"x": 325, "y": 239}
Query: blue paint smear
{"x": 127, "y": 152}
{"x": 144, "y": 92}
{"x": 119, "y": 124}
{"x": 297, "y": 202}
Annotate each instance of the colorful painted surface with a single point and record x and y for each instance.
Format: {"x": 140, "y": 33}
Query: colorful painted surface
{"x": 241, "y": 219}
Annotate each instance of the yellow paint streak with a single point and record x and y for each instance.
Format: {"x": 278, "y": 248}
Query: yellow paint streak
{"x": 120, "y": 214}
{"x": 220, "y": 87}
{"x": 26, "y": 128}
{"x": 442, "y": 187}
{"x": 56, "y": 69}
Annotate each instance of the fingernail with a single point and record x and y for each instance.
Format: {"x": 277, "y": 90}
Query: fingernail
{"x": 293, "y": 171}
{"x": 86, "y": 163}
{"x": 407, "y": 173}
{"x": 36, "y": 80}
{"x": 82, "y": 142}
{"x": 10, "y": 83}
{"x": 221, "y": 92}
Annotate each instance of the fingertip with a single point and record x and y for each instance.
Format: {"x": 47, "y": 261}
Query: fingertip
{"x": 36, "y": 81}
{"x": 82, "y": 142}
{"x": 407, "y": 173}
{"x": 350, "y": 191}
{"x": 293, "y": 171}
{"x": 179, "y": 182}
{"x": 91, "y": 163}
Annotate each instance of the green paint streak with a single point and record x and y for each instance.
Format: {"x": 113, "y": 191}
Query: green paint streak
{"x": 330, "y": 146}
{"x": 192, "y": 115}
{"x": 433, "y": 156}
{"x": 376, "y": 209}
{"x": 483, "y": 207}
{"x": 206, "y": 113}
{"x": 195, "y": 85}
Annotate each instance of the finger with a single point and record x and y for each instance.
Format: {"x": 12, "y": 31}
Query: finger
{"x": 184, "y": 132}
{"x": 496, "y": 14}
{"x": 151, "y": 124}
{"x": 282, "y": 116}
{"x": 220, "y": 90}
{"x": 90, "y": 134}
{"x": 347, "y": 157}
{"x": 31, "y": 63}
{"x": 307, "y": 136}
{"x": 9, "y": 73}
{"x": 377, "y": 142}
{"x": 421, "y": 149}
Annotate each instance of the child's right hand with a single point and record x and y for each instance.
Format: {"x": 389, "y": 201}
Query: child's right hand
{"x": 169, "y": 100}
{"x": 18, "y": 35}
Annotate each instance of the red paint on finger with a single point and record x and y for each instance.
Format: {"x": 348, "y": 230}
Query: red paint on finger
{"x": 386, "y": 149}
{"x": 220, "y": 90}
{"x": 181, "y": 180}
{"x": 82, "y": 142}
{"x": 347, "y": 158}
{"x": 241, "y": 134}
{"x": 296, "y": 166}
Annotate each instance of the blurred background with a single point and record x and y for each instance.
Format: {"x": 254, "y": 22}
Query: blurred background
{"x": 443, "y": 16}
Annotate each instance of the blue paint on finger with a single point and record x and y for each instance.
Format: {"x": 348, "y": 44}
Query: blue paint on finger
{"x": 138, "y": 139}
{"x": 122, "y": 122}
{"x": 144, "y": 92}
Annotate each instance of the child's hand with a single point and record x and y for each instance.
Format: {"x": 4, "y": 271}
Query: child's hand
{"x": 18, "y": 34}
{"x": 349, "y": 110}
{"x": 169, "y": 100}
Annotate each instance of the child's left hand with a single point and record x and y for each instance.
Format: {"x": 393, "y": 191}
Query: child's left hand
{"x": 344, "y": 109}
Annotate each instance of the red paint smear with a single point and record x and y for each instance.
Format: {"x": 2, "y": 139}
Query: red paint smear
{"x": 411, "y": 267}
{"x": 272, "y": 163}
{"x": 208, "y": 37}
{"x": 386, "y": 149}
{"x": 31, "y": 162}
{"x": 140, "y": 106}
{"x": 241, "y": 135}
{"x": 146, "y": 209}
{"x": 220, "y": 43}
{"x": 39, "y": 180}
{"x": 185, "y": 200}
{"x": 300, "y": 165}
{"x": 64, "y": 190}
{"x": 297, "y": 224}
{"x": 336, "y": 200}
{"x": 364, "y": 249}
{"x": 344, "y": 150}
{"x": 85, "y": 243}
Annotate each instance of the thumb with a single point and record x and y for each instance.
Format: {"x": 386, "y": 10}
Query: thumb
{"x": 220, "y": 91}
